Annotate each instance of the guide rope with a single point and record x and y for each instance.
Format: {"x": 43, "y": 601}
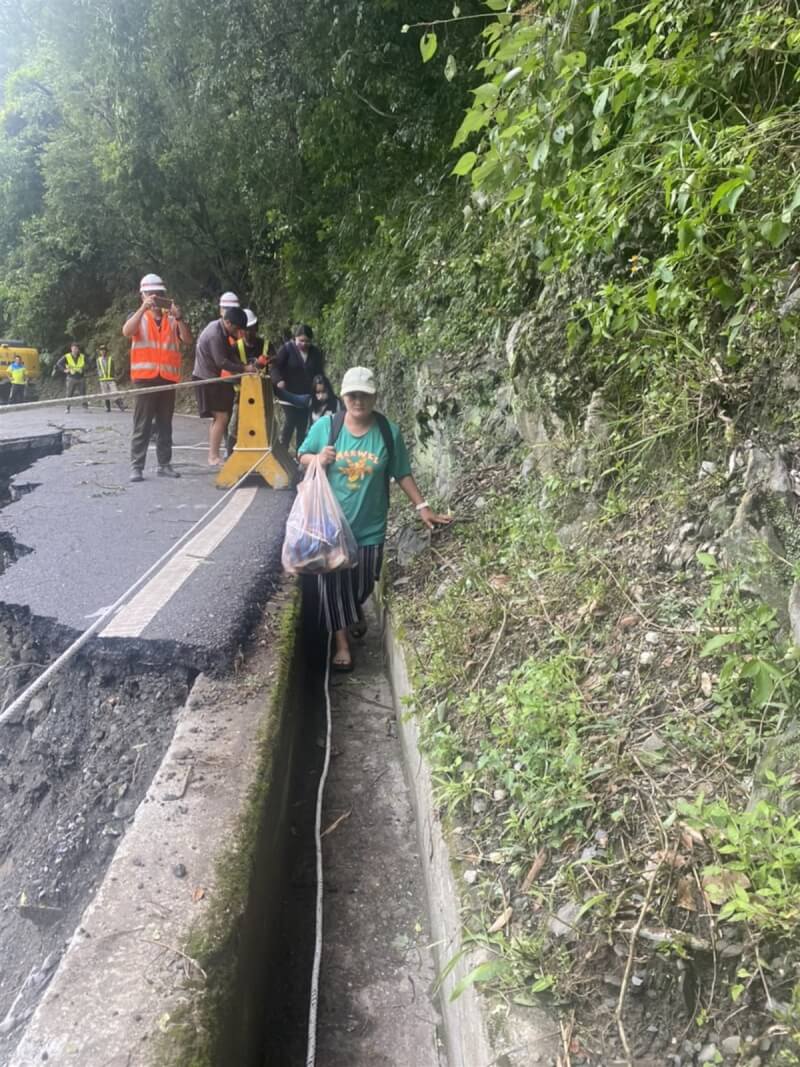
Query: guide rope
{"x": 120, "y": 394}
{"x": 311, "y": 1048}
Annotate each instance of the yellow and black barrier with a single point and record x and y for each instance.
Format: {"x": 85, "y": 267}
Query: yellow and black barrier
{"x": 256, "y": 433}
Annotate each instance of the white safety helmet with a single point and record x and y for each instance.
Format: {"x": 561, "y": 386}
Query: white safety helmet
{"x": 151, "y": 283}
{"x": 252, "y": 318}
{"x": 229, "y": 300}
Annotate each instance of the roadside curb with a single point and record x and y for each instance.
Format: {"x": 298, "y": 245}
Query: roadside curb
{"x": 160, "y": 969}
{"x": 478, "y": 1032}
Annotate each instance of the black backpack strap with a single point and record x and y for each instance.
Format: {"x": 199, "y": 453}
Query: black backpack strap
{"x": 388, "y": 440}
{"x": 337, "y": 422}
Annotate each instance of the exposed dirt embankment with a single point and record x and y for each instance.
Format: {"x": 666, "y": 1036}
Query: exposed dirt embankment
{"x": 74, "y": 765}
{"x": 604, "y": 650}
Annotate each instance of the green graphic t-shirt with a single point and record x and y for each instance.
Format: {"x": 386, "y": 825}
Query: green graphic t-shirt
{"x": 358, "y": 476}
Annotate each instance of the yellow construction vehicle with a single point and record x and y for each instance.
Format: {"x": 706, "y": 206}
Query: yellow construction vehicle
{"x": 28, "y": 355}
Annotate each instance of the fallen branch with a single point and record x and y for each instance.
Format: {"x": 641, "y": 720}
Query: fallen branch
{"x": 178, "y": 952}
{"x": 336, "y": 822}
{"x": 668, "y": 936}
{"x": 566, "y": 1041}
{"x": 534, "y": 870}
{"x": 629, "y": 964}
{"x": 492, "y": 651}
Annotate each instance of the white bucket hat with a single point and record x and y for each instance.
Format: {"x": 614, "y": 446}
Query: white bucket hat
{"x": 229, "y": 300}
{"x": 359, "y": 380}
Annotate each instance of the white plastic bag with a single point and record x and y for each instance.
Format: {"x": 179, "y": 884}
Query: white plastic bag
{"x": 318, "y": 537}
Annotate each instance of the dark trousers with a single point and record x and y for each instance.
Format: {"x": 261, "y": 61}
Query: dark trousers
{"x": 341, "y": 593}
{"x": 294, "y": 419}
{"x": 76, "y": 387}
{"x": 17, "y": 394}
{"x": 159, "y": 408}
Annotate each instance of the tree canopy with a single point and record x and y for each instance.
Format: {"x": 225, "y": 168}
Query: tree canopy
{"x": 249, "y": 145}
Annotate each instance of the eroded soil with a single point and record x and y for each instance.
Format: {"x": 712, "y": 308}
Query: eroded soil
{"x": 74, "y": 765}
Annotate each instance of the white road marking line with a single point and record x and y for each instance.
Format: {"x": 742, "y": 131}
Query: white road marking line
{"x": 140, "y": 611}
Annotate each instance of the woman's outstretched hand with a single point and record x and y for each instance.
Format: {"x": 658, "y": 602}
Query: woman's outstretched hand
{"x": 431, "y": 519}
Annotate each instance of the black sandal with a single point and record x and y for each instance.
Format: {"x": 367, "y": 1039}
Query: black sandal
{"x": 342, "y": 667}
{"x": 358, "y": 629}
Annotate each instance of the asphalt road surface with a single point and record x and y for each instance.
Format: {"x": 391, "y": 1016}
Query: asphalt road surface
{"x": 84, "y": 534}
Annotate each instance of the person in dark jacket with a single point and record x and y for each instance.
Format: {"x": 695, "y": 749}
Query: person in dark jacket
{"x": 292, "y": 371}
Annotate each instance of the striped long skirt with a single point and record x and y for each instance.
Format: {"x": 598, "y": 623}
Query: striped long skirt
{"x": 342, "y": 593}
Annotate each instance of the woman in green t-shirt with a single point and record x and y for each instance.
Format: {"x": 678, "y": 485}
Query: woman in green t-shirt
{"x": 360, "y": 464}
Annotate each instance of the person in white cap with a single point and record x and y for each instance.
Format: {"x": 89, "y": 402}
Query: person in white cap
{"x": 362, "y": 451}
{"x": 226, "y": 301}
{"x": 156, "y": 331}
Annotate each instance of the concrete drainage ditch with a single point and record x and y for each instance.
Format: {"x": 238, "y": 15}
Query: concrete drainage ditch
{"x": 195, "y": 947}
{"x": 156, "y": 867}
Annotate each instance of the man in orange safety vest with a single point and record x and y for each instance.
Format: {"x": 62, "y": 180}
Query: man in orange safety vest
{"x": 156, "y": 331}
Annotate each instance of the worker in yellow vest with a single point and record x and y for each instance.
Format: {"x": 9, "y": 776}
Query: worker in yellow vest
{"x": 73, "y": 366}
{"x": 106, "y": 381}
{"x": 250, "y": 349}
{"x": 18, "y": 377}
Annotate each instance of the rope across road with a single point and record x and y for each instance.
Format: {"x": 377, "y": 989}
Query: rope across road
{"x": 120, "y": 394}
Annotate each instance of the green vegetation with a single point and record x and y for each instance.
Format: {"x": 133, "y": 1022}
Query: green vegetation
{"x": 596, "y": 730}
{"x": 249, "y": 146}
{"x": 511, "y": 210}
{"x": 655, "y": 142}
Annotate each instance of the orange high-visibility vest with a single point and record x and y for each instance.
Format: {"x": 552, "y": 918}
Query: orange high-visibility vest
{"x": 155, "y": 350}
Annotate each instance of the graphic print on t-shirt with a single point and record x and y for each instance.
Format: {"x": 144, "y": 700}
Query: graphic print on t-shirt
{"x": 357, "y": 466}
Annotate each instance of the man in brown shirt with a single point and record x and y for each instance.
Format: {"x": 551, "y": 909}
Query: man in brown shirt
{"x": 213, "y": 355}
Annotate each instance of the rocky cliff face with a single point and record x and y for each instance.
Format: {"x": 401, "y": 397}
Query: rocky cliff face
{"x": 606, "y": 681}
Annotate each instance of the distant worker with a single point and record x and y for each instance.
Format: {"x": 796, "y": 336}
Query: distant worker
{"x": 213, "y": 355}
{"x": 73, "y": 366}
{"x": 105, "y": 378}
{"x": 251, "y": 349}
{"x": 292, "y": 371}
{"x": 255, "y": 347}
{"x": 18, "y": 376}
{"x": 157, "y": 331}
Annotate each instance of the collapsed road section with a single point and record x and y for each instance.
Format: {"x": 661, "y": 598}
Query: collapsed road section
{"x": 16, "y": 454}
{"x": 73, "y": 768}
{"x": 77, "y": 759}
{"x": 92, "y": 534}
